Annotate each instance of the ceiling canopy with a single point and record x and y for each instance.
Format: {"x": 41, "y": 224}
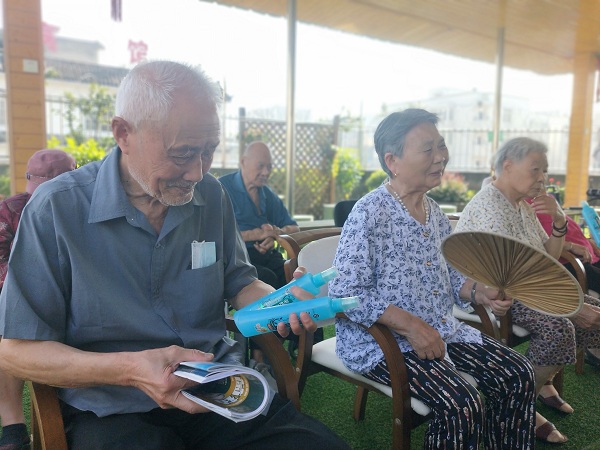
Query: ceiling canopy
{"x": 540, "y": 35}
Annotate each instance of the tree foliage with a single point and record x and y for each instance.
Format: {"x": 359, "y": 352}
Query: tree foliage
{"x": 89, "y": 117}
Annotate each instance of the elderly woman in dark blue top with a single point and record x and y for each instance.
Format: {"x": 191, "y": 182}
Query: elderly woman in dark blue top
{"x": 389, "y": 255}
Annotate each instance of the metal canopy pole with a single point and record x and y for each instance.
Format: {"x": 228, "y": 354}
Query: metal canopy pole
{"x": 498, "y": 91}
{"x": 499, "y": 67}
{"x": 291, "y": 126}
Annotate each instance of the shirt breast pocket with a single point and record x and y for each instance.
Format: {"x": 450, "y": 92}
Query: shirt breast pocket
{"x": 199, "y": 294}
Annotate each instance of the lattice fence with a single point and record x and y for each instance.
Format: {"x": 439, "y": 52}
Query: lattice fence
{"x": 313, "y": 157}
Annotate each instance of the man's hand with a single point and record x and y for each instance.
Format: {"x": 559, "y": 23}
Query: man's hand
{"x": 305, "y": 321}
{"x": 152, "y": 372}
{"x": 264, "y": 246}
{"x": 269, "y": 231}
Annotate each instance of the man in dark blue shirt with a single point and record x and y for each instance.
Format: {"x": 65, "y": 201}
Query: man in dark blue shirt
{"x": 260, "y": 214}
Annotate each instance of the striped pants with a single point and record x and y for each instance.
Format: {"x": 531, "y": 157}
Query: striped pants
{"x": 462, "y": 420}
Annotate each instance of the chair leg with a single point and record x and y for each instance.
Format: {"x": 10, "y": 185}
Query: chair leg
{"x": 579, "y": 363}
{"x": 558, "y": 381}
{"x": 36, "y": 442}
{"x": 360, "y": 403}
{"x": 401, "y": 435}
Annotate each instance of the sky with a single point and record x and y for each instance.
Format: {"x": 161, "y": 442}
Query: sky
{"x": 336, "y": 73}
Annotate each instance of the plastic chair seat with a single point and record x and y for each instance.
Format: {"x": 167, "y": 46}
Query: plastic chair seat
{"x": 324, "y": 355}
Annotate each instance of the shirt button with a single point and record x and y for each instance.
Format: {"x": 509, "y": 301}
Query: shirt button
{"x": 428, "y": 263}
{"x": 444, "y": 320}
{"x": 436, "y": 292}
{"x": 425, "y": 234}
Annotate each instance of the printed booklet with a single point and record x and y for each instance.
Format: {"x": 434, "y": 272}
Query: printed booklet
{"x": 236, "y": 392}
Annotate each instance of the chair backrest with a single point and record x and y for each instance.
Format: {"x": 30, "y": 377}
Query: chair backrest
{"x": 318, "y": 255}
{"x": 292, "y": 243}
{"x": 341, "y": 211}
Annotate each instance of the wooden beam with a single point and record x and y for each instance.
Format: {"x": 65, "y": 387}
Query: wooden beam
{"x": 25, "y": 94}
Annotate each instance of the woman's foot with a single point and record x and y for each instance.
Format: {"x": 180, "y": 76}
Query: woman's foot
{"x": 547, "y": 432}
{"x": 549, "y": 397}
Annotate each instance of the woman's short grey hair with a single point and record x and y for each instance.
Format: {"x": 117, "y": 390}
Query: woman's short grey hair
{"x": 390, "y": 134}
{"x": 147, "y": 93}
{"x": 515, "y": 150}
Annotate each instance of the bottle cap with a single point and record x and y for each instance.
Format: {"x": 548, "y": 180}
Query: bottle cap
{"x": 325, "y": 276}
{"x": 346, "y": 303}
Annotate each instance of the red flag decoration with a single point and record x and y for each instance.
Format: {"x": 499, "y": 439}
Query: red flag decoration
{"x": 49, "y": 36}
{"x": 116, "y": 8}
{"x": 137, "y": 50}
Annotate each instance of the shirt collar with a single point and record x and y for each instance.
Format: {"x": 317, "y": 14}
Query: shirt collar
{"x": 109, "y": 200}
{"x": 238, "y": 182}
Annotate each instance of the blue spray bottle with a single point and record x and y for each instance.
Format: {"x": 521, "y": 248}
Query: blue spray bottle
{"x": 282, "y": 296}
{"x": 265, "y": 320}
{"x": 591, "y": 219}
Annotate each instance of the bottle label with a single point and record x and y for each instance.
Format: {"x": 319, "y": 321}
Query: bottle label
{"x": 272, "y": 323}
{"x": 284, "y": 300}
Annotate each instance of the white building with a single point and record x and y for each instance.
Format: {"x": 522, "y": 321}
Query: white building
{"x": 71, "y": 67}
{"x": 466, "y": 119}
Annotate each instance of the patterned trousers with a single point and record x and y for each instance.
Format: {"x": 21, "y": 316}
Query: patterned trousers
{"x": 461, "y": 418}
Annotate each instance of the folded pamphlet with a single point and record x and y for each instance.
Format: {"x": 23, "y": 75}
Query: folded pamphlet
{"x": 233, "y": 391}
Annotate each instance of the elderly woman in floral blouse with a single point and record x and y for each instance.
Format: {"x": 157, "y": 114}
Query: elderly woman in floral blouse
{"x": 520, "y": 166}
{"x": 389, "y": 255}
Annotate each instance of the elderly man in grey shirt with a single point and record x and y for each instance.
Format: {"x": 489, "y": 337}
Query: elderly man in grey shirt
{"x": 101, "y": 298}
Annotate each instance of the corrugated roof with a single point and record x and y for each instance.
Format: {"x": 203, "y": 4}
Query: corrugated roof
{"x": 84, "y": 73}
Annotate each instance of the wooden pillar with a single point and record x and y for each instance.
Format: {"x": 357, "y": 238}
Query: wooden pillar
{"x": 25, "y": 95}
{"x": 578, "y": 162}
{"x": 580, "y": 129}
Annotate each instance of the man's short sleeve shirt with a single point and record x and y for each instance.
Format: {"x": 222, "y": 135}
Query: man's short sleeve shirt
{"x": 88, "y": 270}
{"x": 272, "y": 209}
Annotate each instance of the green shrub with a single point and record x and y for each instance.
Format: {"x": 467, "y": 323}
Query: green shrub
{"x": 453, "y": 189}
{"x": 4, "y": 186}
{"x": 346, "y": 170}
{"x": 375, "y": 180}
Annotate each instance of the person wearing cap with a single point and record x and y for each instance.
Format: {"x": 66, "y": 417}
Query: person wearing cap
{"x": 42, "y": 166}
